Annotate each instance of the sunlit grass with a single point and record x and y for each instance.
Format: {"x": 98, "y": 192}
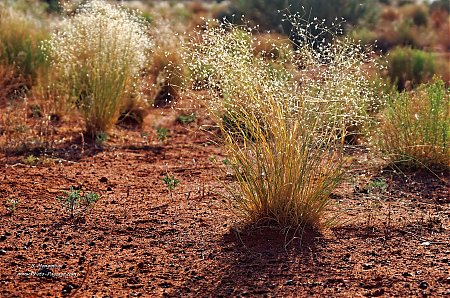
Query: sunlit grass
{"x": 283, "y": 127}
{"x": 415, "y": 128}
{"x": 98, "y": 56}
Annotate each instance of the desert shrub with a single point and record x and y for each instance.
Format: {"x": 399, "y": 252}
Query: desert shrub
{"x": 98, "y": 55}
{"x": 415, "y": 127}
{"x": 20, "y": 37}
{"x": 410, "y": 66}
{"x": 269, "y": 14}
{"x": 284, "y": 136}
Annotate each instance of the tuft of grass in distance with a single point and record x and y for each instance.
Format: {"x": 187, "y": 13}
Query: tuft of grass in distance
{"x": 98, "y": 55}
{"x": 20, "y": 37}
{"x": 283, "y": 128}
{"x": 75, "y": 203}
{"x": 415, "y": 127}
{"x": 410, "y": 66}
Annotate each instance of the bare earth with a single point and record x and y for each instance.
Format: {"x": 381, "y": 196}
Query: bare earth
{"x": 139, "y": 241}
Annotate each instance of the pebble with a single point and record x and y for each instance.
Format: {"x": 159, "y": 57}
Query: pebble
{"x": 2, "y": 252}
{"x": 367, "y": 266}
{"x": 423, "y": 285}
{"x": 3, "y": 237}
{"x": 67, "y": 289}
{"x": 289, "y": 282}
{"x": 406, "y": 274}
{"x": 92, "y": 243}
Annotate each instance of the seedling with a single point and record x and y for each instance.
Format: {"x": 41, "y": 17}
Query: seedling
{"x": 186, "y": 119}
{"x": 30, "y": 160}
{"x": 12, "y": 205}
{"x": 378, "y": 185}
{"x": 162, "y": 133}
{"x": 226, "y": 162}
{"x": 170, "y": 182}
{"x": 101, "y": 137}
{"x": 36, "y": 111}
{"x": 73, "y": 202}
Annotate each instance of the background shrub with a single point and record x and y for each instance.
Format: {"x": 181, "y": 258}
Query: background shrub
{"x": 98, "y": 56}
{"x": 20, "y": 37}
{"x": 415, "y": 127}
{"x": 410, "y": 66}
{"x": 269, "y": 14}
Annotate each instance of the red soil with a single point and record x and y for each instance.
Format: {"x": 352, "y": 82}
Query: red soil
{"x": 140, "y": 241}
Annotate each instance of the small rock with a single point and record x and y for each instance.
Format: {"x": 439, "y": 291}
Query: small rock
{"x": 445, "y": 260}
{"x": 426, "y": 243}
{"x": 92, "y": 243}
{"x": 289, "y": 282}
{"x": 2, "y": 252}
{"x": 423, "y": 285}
{"x": 378, "y": 292}
{"x": 67, "y": 289}
{"x": 7, "y": 234}
{"x": 367, "y": 266}
{"x": 103, "y": 180}
{"x": 406, "y": 274}
{"x": 43, "y": 230}
{"x": 140, "y": 265}
{"x": 109, "y": 189}
{"x": 3, "y": 237}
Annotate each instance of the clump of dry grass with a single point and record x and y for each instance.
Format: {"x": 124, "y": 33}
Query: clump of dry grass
{"x": 283, "y": 130}
{"x": 98, "y": 56}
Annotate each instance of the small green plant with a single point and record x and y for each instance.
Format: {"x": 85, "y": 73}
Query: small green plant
{"x": 410, "y": 66}
{"x": 170, "y": 182}
{"x": 12, "y": 205}
{"x": 36, "y": 111}
{"x": 31, "y": 160}
{"x": 101, "y": 137}
{"x": 378, "y": 185}
{"x": 74, "y": 203}
{"x": 162, "y": 133}
{"x": 415, "y": 127}
{"x": 186, "y": 119}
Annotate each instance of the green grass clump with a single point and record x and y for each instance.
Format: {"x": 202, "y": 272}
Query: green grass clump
{"x": 98, "y": 55}
{"x": 283, "y": 128}
{"x": 415, "y": 128}
{"x": 410, "y": 66}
